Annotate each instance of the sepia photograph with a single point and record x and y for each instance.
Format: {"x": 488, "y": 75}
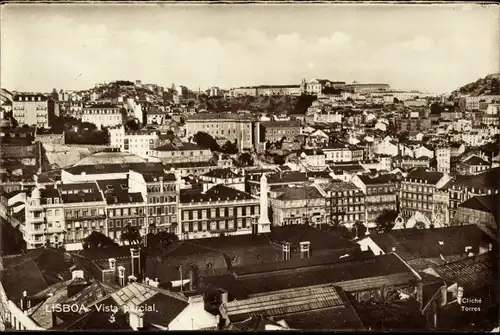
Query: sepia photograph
{"x": 249, "y": 166}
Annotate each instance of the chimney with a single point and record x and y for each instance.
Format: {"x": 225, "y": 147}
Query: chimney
{"x": 136, "y": 318}
{"x": 444, "y": 296}
{"x": 192, "y": 278}
{"x": 131, "y": 279}
{"x": 224, "y": 297}
{"x": 121, "y": 275}
{"x": 161, "y": 183}
{"x": 24, "y": 300}
{"x": 460, "y": 294}
{"x": 393, "y": 249}
{"x": 135, "y": 259}
{"x": 112, "y": 263}
{"x": 304, "y": 249}
{"x": 285, "y": 250}
{"x": 77, "y": 274}
{"x": 197, "y": 300}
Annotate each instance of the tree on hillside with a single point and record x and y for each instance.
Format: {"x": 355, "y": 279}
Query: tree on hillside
{"x": 205, "y": 140}
{"x": 11, "y": 239}
{"x": 131, "y": 235}
{"x": 97, "y": 240}
{"x": 303, "y": 103}
{"x": 385, "y": 309}
{"x": 229, "y": 148}
{"x": 245, "y": 159}
{"x": 161, "y": 240}
{"x": 133, "y": 124}
{"x": 385, "y": 221}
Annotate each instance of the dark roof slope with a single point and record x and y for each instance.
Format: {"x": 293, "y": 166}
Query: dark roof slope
{"x": 431, "y": 177}
{"x": 471, "y": 273}
{"x": 425, "y": 243}
{"x": 486, "y": 203}
{"x": 216, "y": 193}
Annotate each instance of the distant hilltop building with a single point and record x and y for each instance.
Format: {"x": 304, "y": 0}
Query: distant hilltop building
{"x": 367, "y": 88}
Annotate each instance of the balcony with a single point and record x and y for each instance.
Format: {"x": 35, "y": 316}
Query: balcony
{"x": 88, "y": 217}
{"x": 39, "y": 219}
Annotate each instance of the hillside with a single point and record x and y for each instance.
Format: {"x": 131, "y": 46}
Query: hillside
{"x": 273, "y": 104}
{"x": 489, "y": 85}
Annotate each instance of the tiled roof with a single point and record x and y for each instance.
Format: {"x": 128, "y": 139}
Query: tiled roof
{"x": 487, "y": 179}
{"x": 281, "y": 303}
{"x": 377, "y": 180}
{"x": 281, "y": 124}
{"x": 351, "y": 275}
{"x": 185, "y": 146}
{"x": 284, "y": 177}
{"x": 421, "y": 174}
{"x": 425, "y": 243}
{"x": 298, "y": 193}
{"x": 475, "y": 160}
{"x": 471, "y": 273}
{"x": 222, "y": 174}
{"x": 216, "y": 193}
{"x": 339, "y": 185}
{"x": 116, "y": 192}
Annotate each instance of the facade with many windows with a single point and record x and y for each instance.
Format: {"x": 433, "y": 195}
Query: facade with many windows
{"x": 419, "y": 193}
{"x": 297, "y": 205}
{"x": 103, "y": 115}
{"x": 219, "y": 211}
{"x": 44, "y": 218}
{"x": 184, "y": 152}
{"x": 160, "y": 190}
{"x": 380, "y": 191}
{"x": 84, "y": 211}
{"x": 345, "y": 203}
{"x": 123, "y": 207}
{"x": 31, "y": 110}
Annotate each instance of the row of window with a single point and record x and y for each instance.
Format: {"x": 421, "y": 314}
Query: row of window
{"x": 125, "y": 211}
{"x": 161, "y": 210}
{"x": 85, "y": 224}
{"x": 414, "y": 196}
{"x": 418, "y": 205}
{"x": 118, "y": 223}
{"x": 157, "y": 189}
{"x": 379, "y": 190}
{"x": 420, "y": 189}
{"x": 345, "y": 201}
{"x": 347, "y": 209}
{"x": 220, "y": 212}
{"x": 84, "y": 212}
{"x": 215, "y": 225}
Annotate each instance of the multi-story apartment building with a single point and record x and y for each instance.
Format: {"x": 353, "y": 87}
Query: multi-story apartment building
{"x": 277, "y": 180}
{"x": 161, "y": 192}
{"x": 327, "y": 117}
{"x": 266, "y": 90}
{"x": 232, "y": 127}
{"x": 44, "y": 218}
{"x": 297, "y": 205}
{"x": 418, "y": 193}
{"x": 275, "y": 131}
{"x": 139, "y": 142}
{"x": 345, "y": 203}
{"x": 465, "y": 187}
{"x": 380, "y": 193}
{"x": 312, "y": 159}
{"x": 84, "y": 211}
{"x": 103, "y": 115}
{"x": 124, "y": 207}
{"x": 367, "y": 88}
{"x": 414, "y": 124}
{"x": 219, "y": 211}
{"x": 443, "y": 159}
{"x": 339, "y": 152}
{"x": 31, "y": 109}
{"x": 181, "y": 152}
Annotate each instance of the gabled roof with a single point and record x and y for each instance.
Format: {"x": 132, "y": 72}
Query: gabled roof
{"x": 475, "y": 160}
{"x": 486, "y": 203}
{"x": 413, "y": 244}
{"x": 216, "y": 193}
{"x": 298, "y": 193}
{"x": 222, "y": 174}
{"x": 471, "y": 273}
{"x": 420, "y": 174}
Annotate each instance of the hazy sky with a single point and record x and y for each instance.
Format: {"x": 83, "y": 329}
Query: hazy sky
{"x": 431, "y": 48}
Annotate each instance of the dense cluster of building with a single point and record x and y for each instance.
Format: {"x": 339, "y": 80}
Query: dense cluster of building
{"x": 289, "y": 233}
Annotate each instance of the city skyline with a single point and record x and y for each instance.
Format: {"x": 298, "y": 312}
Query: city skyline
{"x": 77, "y": 46}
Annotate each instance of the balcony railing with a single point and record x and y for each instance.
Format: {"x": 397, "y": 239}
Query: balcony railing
{"x": 88, "y": 217}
